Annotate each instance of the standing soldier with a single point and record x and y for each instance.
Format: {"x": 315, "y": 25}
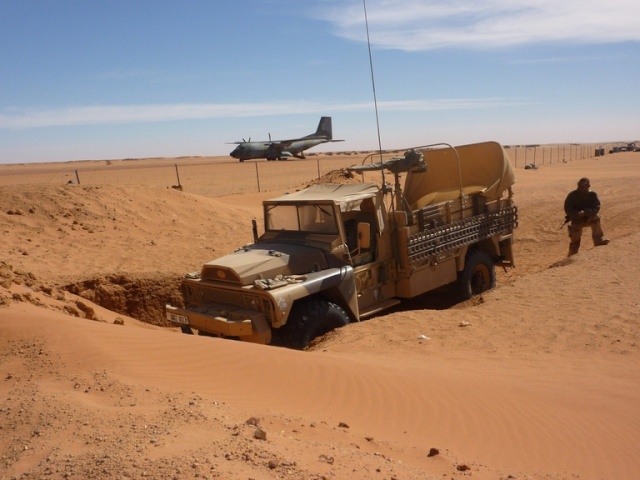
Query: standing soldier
{"x": 582, "y": 207}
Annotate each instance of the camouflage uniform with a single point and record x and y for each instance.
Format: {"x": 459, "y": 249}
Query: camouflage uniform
{"x": 582, "y": 207}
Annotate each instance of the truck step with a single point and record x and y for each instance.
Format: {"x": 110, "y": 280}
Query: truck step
{"x": 378, "y": 307}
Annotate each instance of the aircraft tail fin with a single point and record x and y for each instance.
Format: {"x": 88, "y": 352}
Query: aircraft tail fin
{"x": 324, "y": 129}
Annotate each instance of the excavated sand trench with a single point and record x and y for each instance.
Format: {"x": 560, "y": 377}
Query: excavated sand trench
{"x": 142, "y": 298}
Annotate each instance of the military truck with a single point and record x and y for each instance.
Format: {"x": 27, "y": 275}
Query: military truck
{"x": 332, "y": 254}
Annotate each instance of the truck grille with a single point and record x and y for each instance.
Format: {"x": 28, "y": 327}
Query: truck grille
{"x": 237, "y": 299}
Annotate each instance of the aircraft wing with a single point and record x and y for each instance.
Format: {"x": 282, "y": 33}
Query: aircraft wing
{"x": 286, "y": 143}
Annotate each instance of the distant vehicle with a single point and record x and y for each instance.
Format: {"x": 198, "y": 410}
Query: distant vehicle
{"x": 283, "y": 149}
{"x": 629, "y": 147}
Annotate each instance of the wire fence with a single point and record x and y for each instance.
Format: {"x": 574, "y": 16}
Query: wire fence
{"x": 536, "y": 155}
{"x": 214, "y": 177}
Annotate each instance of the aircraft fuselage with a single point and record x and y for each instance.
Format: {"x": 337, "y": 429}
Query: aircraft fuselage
{"x": 274, "y": 151}
{"x": 282, "y": 149}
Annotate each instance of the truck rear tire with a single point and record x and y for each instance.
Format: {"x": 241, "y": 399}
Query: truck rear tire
{"x": 479, "y": 274}
{"x": 310, "y": 319}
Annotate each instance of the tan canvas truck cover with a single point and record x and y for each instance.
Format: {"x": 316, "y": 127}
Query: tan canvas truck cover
{"x": 346, "y": 195}
{"x": 481, "y": 168}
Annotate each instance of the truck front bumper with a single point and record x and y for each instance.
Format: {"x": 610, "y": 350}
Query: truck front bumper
{"x": 223, "y": 320}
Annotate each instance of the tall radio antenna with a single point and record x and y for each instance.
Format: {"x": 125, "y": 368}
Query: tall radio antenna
{"x": 373, "y": 85}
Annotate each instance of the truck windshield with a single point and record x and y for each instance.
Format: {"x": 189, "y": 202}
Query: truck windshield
{"x": 313, "y": 218}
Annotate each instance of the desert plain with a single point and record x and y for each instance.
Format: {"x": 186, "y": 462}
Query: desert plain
{"x": 536, "y": 379}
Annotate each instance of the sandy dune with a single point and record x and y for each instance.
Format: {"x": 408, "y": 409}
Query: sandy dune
{"x": 543, "y": 382}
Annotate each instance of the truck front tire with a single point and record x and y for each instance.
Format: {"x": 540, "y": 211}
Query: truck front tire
{"x": 310, "y": 319}
{"x": 479, "y": 274}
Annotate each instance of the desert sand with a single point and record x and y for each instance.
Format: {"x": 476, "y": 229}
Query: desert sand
{"x": 536, "y": 379}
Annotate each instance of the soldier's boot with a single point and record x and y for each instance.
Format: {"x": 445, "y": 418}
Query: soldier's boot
{"x": 573, "y": 248}
{"x": 597, "y": 234}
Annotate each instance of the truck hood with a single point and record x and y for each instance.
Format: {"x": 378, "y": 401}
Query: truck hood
{"x": 263, "y": 261}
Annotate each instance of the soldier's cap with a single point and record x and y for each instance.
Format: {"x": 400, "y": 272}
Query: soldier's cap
{"x": 584, "y": 181}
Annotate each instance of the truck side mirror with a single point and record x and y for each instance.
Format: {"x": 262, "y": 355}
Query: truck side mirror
{"x": 364, "y": 235}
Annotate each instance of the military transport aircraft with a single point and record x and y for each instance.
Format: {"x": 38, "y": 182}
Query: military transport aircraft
{"x": 282, "y": 149}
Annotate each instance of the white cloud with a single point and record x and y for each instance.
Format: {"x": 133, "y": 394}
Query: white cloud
{"x": 415, "y": 25}
{"x": 114, "y": 114}
{"x": 125, "y": 114}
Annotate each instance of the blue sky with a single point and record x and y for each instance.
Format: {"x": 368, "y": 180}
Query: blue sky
{"x": 83, "y": 79}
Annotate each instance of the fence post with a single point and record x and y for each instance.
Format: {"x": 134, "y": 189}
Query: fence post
{"x": 178, "y": 177}
{"x": 257, "y": 176}
{"x": 77, "y": 177}
{"x": 318, "y": 162}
